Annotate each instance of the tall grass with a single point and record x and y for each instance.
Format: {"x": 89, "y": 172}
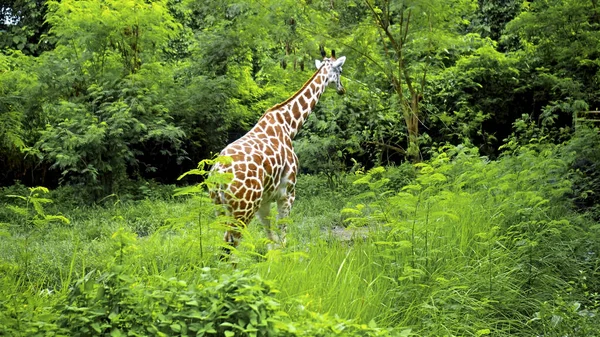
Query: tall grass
{"x": 465, "y": 247}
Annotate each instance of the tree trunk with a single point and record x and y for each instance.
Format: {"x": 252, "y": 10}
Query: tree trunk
{"x": 412, "y": 125}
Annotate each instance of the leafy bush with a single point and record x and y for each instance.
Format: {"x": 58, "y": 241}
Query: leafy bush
{"x": 24, "y": 316}
{"x": 237, "y": 304}
{"x": 583, "y": 152}
{"x": 471, "y": 239}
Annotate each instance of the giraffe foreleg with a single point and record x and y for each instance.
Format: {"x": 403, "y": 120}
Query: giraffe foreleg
{"x": 284, "y": 206}
{"x": 263, "y": 215}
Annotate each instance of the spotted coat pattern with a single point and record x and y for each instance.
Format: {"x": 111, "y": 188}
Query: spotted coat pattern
{"x": 264, "y": 165}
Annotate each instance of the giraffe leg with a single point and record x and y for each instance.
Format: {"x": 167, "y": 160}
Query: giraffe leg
{"x": 263, "y": 216}
{"x": 232, "y": 239}
{"x": 284, "y": 206}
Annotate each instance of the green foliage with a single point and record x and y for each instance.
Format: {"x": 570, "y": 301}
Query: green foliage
{"x": 583, "y": 153}
{"x": 460, "y": 101}
{"x": 98, "y": 33}
{"x": 237, "y": 304}
{"x": 22, "y": 316}
{"x": 98, "y": 142}
{"x": 23, "y": 27}
{"x": 32, "y": 215}
{"x": 493, "y": 15}
{"x": 31, "y": 221}
{"x": 451, "y": 229}
{"x": 14, "y": 82}
{"x": 119, "y": 304}
{"x": 175, "y": 81}
{"x": 459, "y": 245}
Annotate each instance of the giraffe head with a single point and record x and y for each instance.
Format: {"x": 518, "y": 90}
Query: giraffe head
{"x": 333, "y": 71}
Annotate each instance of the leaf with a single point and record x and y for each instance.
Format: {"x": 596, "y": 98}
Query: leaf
{"x": 18, "y": 210}
{"x": 405, "y": 332}
{"x": 483, "y": 332}
{"x": 17, "y": 196}
{"x": 190, "y": 190}
{"x": 176, "y": 327}
{"x": 57, "y": 218}
{"x": 116, "y": 332}
{"x": 96, "y": 327}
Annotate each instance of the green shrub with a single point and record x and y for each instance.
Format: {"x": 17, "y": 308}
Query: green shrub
{"x": 583, "y": 154}
{"x": 237, "y": 304}
{"x": 24, "y": 315}
{"x": 489, "y": 244}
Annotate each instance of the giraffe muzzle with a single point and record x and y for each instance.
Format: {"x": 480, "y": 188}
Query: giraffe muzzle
{"x": 341, "y": 91}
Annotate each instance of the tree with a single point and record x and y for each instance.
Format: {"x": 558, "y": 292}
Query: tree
{"x": 413, "y": 36}
{"x": 492, "y": 16}
{"x": 108, "y": 108}
{"x": 560, "y": 41}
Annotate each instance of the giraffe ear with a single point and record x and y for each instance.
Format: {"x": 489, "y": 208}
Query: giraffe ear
{"x": 339, "y": 62}
{"x": 318, "y": 64}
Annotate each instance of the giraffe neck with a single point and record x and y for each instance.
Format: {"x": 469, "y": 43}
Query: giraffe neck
{"x": 294, "y": 111}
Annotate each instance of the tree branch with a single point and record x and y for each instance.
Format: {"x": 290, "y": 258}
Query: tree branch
{"x": 387, "y": 146}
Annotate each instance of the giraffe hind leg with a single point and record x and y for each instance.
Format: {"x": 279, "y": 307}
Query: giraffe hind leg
{"x": 232, "y": 239}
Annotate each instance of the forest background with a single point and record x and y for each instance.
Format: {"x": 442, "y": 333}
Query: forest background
{"x": 465, "y": 150}
{"x": 99, "y": 94}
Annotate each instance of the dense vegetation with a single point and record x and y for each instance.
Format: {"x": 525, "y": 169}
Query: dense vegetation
{"x": 451, "y": 192}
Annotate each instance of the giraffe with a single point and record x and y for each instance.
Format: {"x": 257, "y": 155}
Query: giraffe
{"x": 263, "y": 162}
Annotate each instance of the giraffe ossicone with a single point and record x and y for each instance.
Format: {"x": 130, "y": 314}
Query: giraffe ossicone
{"x": 263, "y": 162}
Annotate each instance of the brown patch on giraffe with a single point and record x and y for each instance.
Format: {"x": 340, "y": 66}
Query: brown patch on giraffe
{"x": 262, "y": 176}
{"x": 270, "y": 131}
{"x": 292, "y": 176}
{"x": 303, "y": 103}
{"x": 239, "y": 175}
{"x": 279, "y": 118}
{"x": 253, "y": 183}
{"x": 307, "y": 95}
{"x": 273, "y": 163}
{"x": 241, "y": 215}
{"x": 278, "y": 131}
{"x": 235, "y": 156}
{"x": 239, "y": 167}
{"x": 275, "y": 142}
{"x": 318, "y": 80}
{"x": 251, "y": 173}
{"x": 268, "y": 151}
{"x": 266, "y": 164}
{"x": 296, "y": 112}
{"x": 289, "y": 156}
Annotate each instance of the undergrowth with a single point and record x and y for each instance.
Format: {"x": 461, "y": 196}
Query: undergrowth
{"x": 457, "y": 246}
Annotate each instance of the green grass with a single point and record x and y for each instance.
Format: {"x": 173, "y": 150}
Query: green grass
{"x": 468, "y": 247}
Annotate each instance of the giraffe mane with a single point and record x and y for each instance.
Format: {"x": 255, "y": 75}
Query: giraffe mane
{"x": 279, "y": 105}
